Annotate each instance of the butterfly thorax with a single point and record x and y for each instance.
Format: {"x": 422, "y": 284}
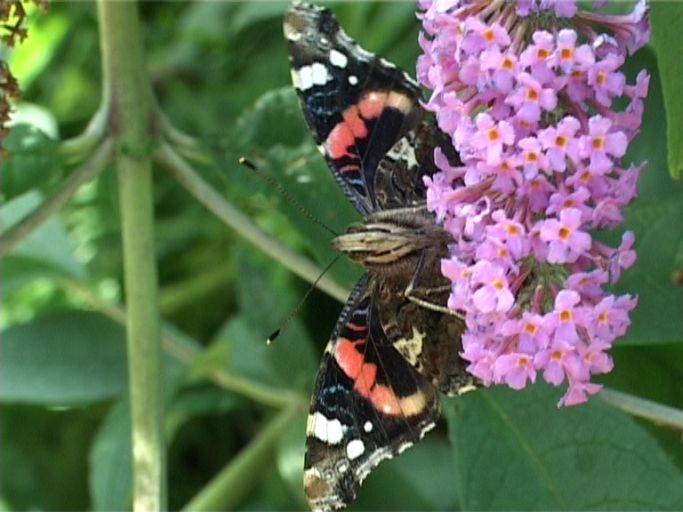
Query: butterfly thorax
{"x": 391, "y": 243}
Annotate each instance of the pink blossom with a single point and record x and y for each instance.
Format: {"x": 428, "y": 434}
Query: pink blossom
{"x": 528, "y": 104}
{"x": 601, "y": 144}
{"x": 530, "y": 98}
{"x": 560, "y": 142}
{"x": 566, "y": 242}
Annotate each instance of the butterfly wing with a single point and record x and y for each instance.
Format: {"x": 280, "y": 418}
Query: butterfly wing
{"x": 369, "y": 404}
{"x": 356, "y": 104}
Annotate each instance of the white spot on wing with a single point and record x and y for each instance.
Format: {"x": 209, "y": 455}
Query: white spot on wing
{"x": 338, "y": 59}
{"x": 308, "y": 76}
{"x": 325, "y": 430}
{"x": 355, "y": 449}
{"x": 353, "y": 79}
{"x": 367, "y": 426}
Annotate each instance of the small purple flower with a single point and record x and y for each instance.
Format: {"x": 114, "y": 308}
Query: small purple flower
{"x": 563, "y": 318}
{"x": 530, "y": 98}
{"x": 514, "y": 369}
{"x": 601, "y": 144}
{"x": 569, "y": 56}
{"x": 494, "y": 294}
{"x": 578, "y": 393}
{"x": 606, "y": 82}
{"x": 491, "y": 137}
{"x": 532, "y": 156}
{"x": 560, "y": 142}
{"x": 565, "y": 240}
{"x": 554, "y": 359}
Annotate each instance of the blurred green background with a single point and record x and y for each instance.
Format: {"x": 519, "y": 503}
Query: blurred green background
{"x": 221, "y": 74}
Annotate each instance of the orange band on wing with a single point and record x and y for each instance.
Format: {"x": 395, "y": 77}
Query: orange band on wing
{"x": 364, "y": 376}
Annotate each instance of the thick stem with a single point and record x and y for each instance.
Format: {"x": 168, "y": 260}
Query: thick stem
{"x": 131, "y": 99}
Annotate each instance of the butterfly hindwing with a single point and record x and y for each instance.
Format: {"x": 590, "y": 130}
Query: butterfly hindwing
{"x": 356, "y": 104}
{"x": 369, "y": 404}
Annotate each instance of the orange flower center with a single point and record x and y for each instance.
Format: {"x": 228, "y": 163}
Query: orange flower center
{"x": 531, "y": 94}
{"x": 561, "y": 141}
{"x": 493, "y": 134}
{"x": 565, "y": 315}
{"x": 488, "y": 35}
{"x": 566, "y": 53}
{"x": 598, "y": 142}
{"x": 497, "y": 284}
{"x": 542, "y": 53}
{"x": 564, "y": 233}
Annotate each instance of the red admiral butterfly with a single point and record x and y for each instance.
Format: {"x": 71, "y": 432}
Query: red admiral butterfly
{"x": 391, "y": 350}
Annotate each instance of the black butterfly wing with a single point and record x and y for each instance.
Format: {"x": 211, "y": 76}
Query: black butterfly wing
{"x": 356, "y": 104}
{"x": 369, "y": 404}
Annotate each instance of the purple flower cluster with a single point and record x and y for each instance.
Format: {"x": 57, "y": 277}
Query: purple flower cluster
{"x": 526, "y": 90}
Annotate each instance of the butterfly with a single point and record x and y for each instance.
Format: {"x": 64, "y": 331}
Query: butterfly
{"x": 395, "y": 345}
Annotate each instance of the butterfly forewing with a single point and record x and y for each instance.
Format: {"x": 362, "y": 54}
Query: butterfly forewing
{"x": 357, "y": 105}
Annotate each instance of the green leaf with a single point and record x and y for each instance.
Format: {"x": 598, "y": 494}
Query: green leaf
{"x": 659, "y": 244}
{"x": 421, "y": 478}
{"x": 665, "y": 20}
{"x": 46, "y": 251}
{"x": 516, "y": 450}
{"x": 32, "y": 160}
{"x": 111, "y": 462}
{"x": 190, "y": 403}
{"x": 63, "y": 358}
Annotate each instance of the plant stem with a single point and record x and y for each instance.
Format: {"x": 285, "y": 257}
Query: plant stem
{"x": 184, "y": 349}
{"x": 127, "y": 85}
{"x": 205, "y": 194}
{"x": 227, "y": 488}
{"x": 51, "y": 205}
{"x": 659, "y": 414}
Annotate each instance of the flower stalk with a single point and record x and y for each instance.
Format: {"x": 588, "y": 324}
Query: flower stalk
{"x": 527, "y": 92}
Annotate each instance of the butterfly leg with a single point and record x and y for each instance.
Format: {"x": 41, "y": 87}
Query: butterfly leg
{"x": 408, "y": 293}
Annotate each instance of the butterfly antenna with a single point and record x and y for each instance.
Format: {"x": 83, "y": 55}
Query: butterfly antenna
{"x": 283, "y": 192}
{"x": 296, "y": 310}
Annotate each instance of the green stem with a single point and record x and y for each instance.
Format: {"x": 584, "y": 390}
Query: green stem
{"x": 184, "y": 349}
{"x": 51, "y": 205}
{"x": 75, "y": 148}
{"x": 167, "y": 158}
{"x": 127, "y": 84}
{"x": 658, "y": 414}
{"x": 227, "y": 488}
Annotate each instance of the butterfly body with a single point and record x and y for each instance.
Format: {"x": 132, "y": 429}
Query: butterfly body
{"x": 388, "y": 357}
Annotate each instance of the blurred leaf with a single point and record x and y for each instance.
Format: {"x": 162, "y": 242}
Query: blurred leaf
{"x": 665, "y": 20}
{"x": 32, "y": 161}
{"x": 659, "y": 243}
{"x": 111, "y": 461}
{"x": 516, "y": 450}
{"x": 290, "y": 459}
{"x": 655, "y": 218}
{"x": 251, "y": 13}
{"x": 31, "y": 57}
{"x": 48, "y": 246}
{"x": 420, "y": 479}
{"x": 63, "y": 358}
{"x": 190, "y": 403}
{"x": 658, "y": 368}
